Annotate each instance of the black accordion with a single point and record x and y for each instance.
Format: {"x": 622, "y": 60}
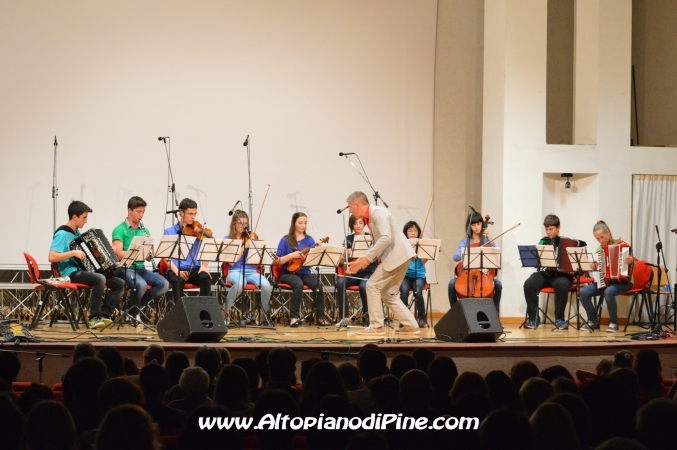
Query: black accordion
{"x": 99, "y": 255}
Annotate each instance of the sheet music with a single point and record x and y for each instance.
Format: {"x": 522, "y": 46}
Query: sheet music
{"x": 426, "y": 248}
{"x": 168, "y": 248}
{"x": 262, "y": 255}
{"x": 222, "y": 250}
{"x": 546, "y": 254}
{"x": 361, "y": 243}
{"x": 491, "y": 256}
{"x": 324, "y": 256}
{"x": 580, "y": 254}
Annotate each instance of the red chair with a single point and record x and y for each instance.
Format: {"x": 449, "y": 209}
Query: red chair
{"x": 81, "y": 288}
{"x": 548, "y": 291}
{"x": 163, "y": 268}
{"x": 642, "y": 274}
{"x": 60, "y": 292}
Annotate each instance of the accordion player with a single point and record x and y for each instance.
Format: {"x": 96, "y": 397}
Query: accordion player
{"x": 99, "y": 254}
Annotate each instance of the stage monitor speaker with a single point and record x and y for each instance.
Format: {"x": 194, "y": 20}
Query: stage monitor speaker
{"x": 470, "y": 320}
{"x": 193, "y": 319}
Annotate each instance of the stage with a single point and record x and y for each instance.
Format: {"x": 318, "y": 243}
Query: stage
{"x": 546, "y": 346}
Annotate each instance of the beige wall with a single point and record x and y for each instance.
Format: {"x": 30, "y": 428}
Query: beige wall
{"x": 457, "y": 147}
{"x": 560, "y": 72}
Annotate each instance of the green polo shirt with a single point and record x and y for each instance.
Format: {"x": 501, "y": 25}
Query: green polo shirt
{"x": 125, "y": 233}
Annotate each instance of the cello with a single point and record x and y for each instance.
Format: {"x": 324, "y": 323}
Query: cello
{"x": 476, "y": 283}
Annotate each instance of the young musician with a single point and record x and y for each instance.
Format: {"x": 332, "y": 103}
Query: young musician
{"x": 612, "y": 289}
{"x": 289, "y": 248}
{"x": 67, "y": 262}
{"x": 549, "y": 277}
{"x": 357, "y": 227}
{"x": 238, "y": 224}
{"x": 415, "y": 276}
{"x": 136, "y": 276}
{"x": 477, "y": 234}
{"x": 188, "y": 269}
{"x": 395, "y": 253}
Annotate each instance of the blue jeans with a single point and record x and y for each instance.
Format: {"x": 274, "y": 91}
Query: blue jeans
{"x": 417, "y": 285}
{"x": 341, "y": 284}
{"x": 610, "y": 293}
{"x": 251, "y": 277}
{"x": 453, "y": 298}
{"x": 139, "y": 279}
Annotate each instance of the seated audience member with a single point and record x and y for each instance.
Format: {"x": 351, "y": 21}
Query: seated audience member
{"x": 385, "y": 394}
{"x": 176, "y": 362}
{"x": 86, "y": 377}
{"x": 262, "y": 363}
{"x": 506, "y": 429}
{"x": 112, "y": 358}
{"x": 612, "y": 409}
{"x": 306, "y": 366}
{"x": 127, "y": 427}
{"x": 12, "y": 425}
{"x": 423, "y": 357}
{"x": 9, "y": 370}
{"x": 49, "y": 425}
{"x": 81, "y": 350}
{"x": 209, "y": 358}
{"x": 501, "y": 391}
{"x": 553, "y": 428}
{"x": 656, "y": 424}
{"x": 275, "y": 401}
{"x": 401, "y": 364}
{"x": 154, "y": 352}
{"x": 131, "y": 369}
{"x": 350, "y": 375}
{"x": 466, "y": 383}
{"x": 565, "y": 385}
{"x": 604, "y": 367}
{"x": 194, "y": 384}
{"x": 535, "y": 391}
{"x": 416, "y": 395}
{"x": 372, "y": 363}
{"x": 225, "y": 355}
{"x": 118, "y": 391}
{"x": 251, "y": 369}
{"x": 154, "y": 381}
{"x": 553, "y": 372}
{"x": 281, "y": 366}
{"x": 579, "y": 413}
{"x": 323, "y": 379}
{"x": 473, "y": 404}
{"x": 32, "y": 395}
{"x": 232, "y": 391}
{"x": 443, "y": 373}
{"x": 648, "y": 368}
{"x": 337, "y": 439}
{"x": 521, "y": 372}
{"x": 627, "y": 379}
{"x": 193, "y": 437}
{"x": 623, "y": 359}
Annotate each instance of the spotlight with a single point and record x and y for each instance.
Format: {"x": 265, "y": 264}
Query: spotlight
{"x": 567, "y": 185}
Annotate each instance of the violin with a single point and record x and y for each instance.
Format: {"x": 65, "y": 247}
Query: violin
{"x": 195, "y": 229}
{"x": 294, "y": 265}
{"x": 476, "y": 283}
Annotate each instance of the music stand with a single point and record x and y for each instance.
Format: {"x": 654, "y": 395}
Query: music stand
{"x": 261, "y": 253}
{"x": 581, "y": 262}
{"x": 323, "y": 256}
{"x": 429, "y": 249}
{"x": 537, "y": 256}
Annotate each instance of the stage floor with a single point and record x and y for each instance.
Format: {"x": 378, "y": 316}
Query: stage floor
{"x": 546, "y": 346}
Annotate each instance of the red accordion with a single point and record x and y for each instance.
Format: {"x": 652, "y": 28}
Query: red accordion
{"x": 612, "y": 266}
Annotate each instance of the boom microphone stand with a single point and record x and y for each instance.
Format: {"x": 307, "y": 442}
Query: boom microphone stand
{"x": 656, "y": 325}
{"x": 364, "y": 176}
{"x": 55, "y": 190}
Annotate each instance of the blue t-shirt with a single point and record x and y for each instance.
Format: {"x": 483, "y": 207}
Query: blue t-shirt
{"x": 416, "y": 269}
{"x": 188, "y": 261}
{"x": 238, "y": 264}
{"x": 283, "y": 249}
{"x": 61, "y": 244}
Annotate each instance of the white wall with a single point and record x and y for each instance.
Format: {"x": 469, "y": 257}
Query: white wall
{"x": 515, "y": 90}
{"x": 305, "y": 79}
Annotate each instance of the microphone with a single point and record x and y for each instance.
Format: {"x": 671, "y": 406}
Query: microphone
{"x": 346, "y": 154}
{"x": 340, "y": 210}
{"x": 55, "y": 144}
{"x": 232, "y": 210}
{"x": 173, "y": 211}
{"x": 162, "y": 138}
{"x": 246, "y": 141}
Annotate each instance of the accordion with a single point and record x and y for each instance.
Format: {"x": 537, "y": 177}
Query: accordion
{"x": 99, "y": 255}
{"x": 612, "y": 266}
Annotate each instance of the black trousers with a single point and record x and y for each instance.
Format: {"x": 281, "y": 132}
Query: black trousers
{"x": 561, "y": 282}
{"x": 202, "y": 279}
{"x": 297, "y": 281}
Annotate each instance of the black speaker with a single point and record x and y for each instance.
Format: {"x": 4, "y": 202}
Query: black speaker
{"x": 193, "y": 319}
{"x": 470, "y": 320}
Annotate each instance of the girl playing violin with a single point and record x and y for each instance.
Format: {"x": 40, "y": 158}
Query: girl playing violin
{"x": 289, "y": 248}
{"x": 357, "y": 226}
{"x": 604, "y": 237}
{"x": 477, "y": 234}
{"x": 238, "y": 224}
{"x": 415, "y": 277}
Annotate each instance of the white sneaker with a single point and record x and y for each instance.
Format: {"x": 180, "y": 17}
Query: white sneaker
{"x": 369, "y": 331}
{"x": 612, "y": 328}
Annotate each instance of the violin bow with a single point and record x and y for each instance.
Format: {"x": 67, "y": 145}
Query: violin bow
{"x": 261, "y": 210}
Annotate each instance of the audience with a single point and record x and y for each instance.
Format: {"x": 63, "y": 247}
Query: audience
{"x": 106, "y": 406}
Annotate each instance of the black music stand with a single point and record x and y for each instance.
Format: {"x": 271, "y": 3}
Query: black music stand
{"x": 323, "y": 256}
{"x": 261, "y": 253}
{"x": 427, "y": 249}
{"x": 533, "y": 256}
{"x": 581, "y": 262}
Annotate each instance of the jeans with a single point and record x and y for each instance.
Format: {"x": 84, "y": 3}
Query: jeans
{"x": 202, "y": 279}
{"x": 538, "y": 280}
{"x": 297, "y": 281}
{"x": 610, "y": 293}
{"x": 341, "y": 285}
{"x": 453, "y": 297}
{"x": 417, "y": 285}
{"x": 138, "y": 279}
{"x": 251, "y": 277}
{"x": 98, "y": 305}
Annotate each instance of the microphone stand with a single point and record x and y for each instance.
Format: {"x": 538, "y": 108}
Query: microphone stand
{"x": 249, "y": 175}
{"x": 39, "y": 356}
{"x": 343, "y": 322}
{"x": 55, "y": 190}
{"x": 364, "y": 176}
{"x": 171, "y": 187}
{"x": 656, "y": 313}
